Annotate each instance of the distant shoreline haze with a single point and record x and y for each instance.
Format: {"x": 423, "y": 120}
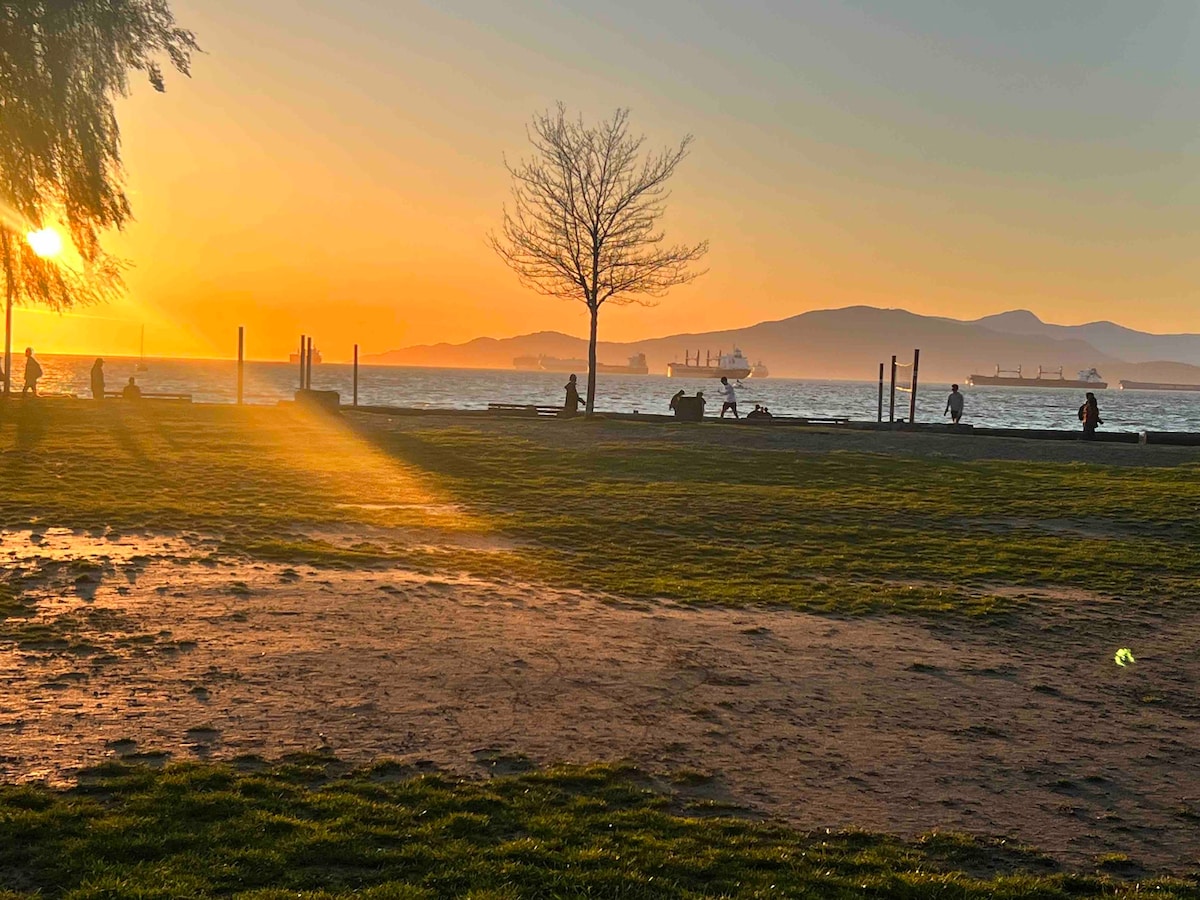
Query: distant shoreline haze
{"x": 839, "y": 344}
{"x": 849, "y": 343}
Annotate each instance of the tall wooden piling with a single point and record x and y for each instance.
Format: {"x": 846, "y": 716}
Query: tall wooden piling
{"x": 912, "y": 394}
{"x": 241, "y": 363}
{"x": 892, "y": 398}
{"x": 879, "y": 414}
{"x": 356, "y": 374}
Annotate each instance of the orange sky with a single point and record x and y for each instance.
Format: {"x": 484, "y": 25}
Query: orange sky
{"x": 333, "y": 167}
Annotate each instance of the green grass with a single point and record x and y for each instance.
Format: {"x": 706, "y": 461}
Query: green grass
{"x": 307, "y": 827}
{"x": 706, "y": 515}
{"x": 832, "y": 532}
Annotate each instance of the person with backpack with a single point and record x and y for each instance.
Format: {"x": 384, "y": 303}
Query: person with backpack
{"x": 1089, "y": 415}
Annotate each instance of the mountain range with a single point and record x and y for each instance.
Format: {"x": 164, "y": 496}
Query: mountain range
{"x": 851, "y": 342}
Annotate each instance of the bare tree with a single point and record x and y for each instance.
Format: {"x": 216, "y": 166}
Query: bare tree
{"x": 584, "y": 224}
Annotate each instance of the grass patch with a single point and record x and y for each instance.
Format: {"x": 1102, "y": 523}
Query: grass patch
{"x": 698, "y": 515}
{"x": 308, "y": 827}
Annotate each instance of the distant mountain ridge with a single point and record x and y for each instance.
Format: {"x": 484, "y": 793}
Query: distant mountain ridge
{"x": 1107, "y": 337}
{"x": 852, "y": 341}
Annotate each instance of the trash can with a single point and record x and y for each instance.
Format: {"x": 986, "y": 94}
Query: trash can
{"x": 689, "y": 409}
{"x": 328, "y": 401}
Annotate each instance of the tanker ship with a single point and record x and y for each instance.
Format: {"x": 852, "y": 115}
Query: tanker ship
{"x": 727, "y": 365}
{"x": 636, "y": 366}
{"x": 1127, "y": 385}
{"x": 1046, "y": 378}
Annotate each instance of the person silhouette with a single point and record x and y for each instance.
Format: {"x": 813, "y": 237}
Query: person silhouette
{"x": 954, "y": 404}
{"x": 98, "y": 379}
{"x": 1089, "y": 415}
{"x": 730, "y": 398}
{"x": 33, "y": 371}
{"x": 674, "y": 404}
{"x": 132, "y": 391}
{"x": 571, "y": 406}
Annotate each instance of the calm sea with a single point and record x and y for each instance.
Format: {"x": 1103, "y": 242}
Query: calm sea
{"x": 215, "y": 381}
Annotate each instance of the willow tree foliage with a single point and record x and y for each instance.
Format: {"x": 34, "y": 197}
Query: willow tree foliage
{"x": 584, "y": 221}
{"x": 63, "y": 65}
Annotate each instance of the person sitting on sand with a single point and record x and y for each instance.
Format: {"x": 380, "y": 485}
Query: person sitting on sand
{"x": 756, "y": 413}
{"x": 674, "y": 404}
{"x": 571, "y": 405}
{"x": 954, "y": 404}
{"x": 1089, "y": 415}
{"x": 132, "y": 391}
{"x": 767, "y": 413}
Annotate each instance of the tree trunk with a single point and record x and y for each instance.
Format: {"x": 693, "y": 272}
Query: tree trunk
{"x": 591, "y": 387}
{"x": 9, "y": 289}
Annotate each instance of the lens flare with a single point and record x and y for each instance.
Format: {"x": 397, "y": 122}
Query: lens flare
{"x": 46, "y": 242}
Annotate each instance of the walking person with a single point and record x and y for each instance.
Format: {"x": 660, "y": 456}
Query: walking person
{"x": 98, "y": 380}
{"x": 1089, "y": 415}
{"x": 571, "y": 405}
{"x": 954, "y": 404}
{"x": 729, "y": 398}
{"x": 33, "y": 371}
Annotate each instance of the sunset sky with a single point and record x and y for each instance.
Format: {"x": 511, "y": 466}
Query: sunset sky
{"x": 334, "y": 167}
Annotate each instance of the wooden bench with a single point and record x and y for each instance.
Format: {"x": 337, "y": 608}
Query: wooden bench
{"x": 798, "y": 420}
{"x": 146, "y": 395}
{"x": 525, "y": 409}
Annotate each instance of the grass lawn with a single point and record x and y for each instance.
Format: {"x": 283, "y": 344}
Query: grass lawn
{"x": 307, "y": 828}
{"x": 712, "y": 515}
{"x": 644, "y": 511}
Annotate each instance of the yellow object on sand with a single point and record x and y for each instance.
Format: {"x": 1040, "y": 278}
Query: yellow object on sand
{"x": 1124, "y": 657}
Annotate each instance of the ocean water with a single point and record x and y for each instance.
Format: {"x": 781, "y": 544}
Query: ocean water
{"x": 215, "y": 381}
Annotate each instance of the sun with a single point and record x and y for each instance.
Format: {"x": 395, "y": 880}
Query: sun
{"x": 46, "y": 242}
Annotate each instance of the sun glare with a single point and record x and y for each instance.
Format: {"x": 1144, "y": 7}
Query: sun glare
{"x": 46, "y": 242}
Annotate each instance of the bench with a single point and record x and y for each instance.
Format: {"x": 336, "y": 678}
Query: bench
{"x": 524, "y": 409}
{"x": 147, "y": 395}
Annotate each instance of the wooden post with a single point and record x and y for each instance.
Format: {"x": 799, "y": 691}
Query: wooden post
{"x": 892, "y": 400}
{"x": 302, "y": 346}
{"x": 241, "y": 361}
{"x": 356, "y": 374}
{"x": 912, "y": 394}
{"x": 308, "y": 365}
{"x": 879, "y": 415}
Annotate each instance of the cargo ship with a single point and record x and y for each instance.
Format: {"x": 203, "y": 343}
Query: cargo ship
{"x": 1046, "y": 378}
{"x": 727, "y": 365}
{"x": 316, "y": 357}
{"x": 1127, "y": 385}
{"x": 636, "y": 365}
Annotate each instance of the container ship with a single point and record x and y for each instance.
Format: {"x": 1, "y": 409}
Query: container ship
{"x": 1126, "y": 385}
{"x": 636, "y": 365}
{"x": 727, "y": 365}
{"x": 1046, "y": 378}
{"x": 316, "y": 357}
